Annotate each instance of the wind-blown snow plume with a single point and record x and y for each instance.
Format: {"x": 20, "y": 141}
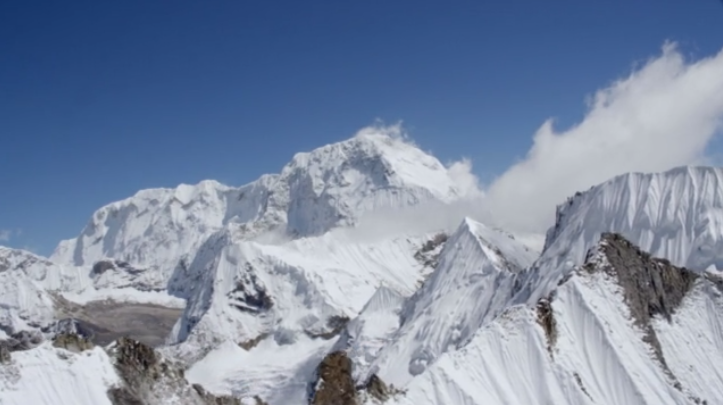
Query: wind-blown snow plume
{"x": 662, "y": 115}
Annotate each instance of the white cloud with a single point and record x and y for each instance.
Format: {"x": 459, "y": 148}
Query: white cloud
{"x": 462, "y": 175}
{"x": 428, "y": 217}
{"x": 662, "y": 115}
{"x": 5, "y": 235}
{"x": 395, "y": 131}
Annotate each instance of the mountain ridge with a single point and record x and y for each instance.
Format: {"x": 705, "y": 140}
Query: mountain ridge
{"x": 279, "y": 277}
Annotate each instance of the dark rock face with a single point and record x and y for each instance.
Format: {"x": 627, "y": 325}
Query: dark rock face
{"x": 377, "y": 388}
{"x": 18, "y": 341}
{"x": 425, "y": 256}
{"x": 335, "y": 324}
{"x": 123, "y": 396}
{"x": 251, "y": 343}
{"x": 22, "y": 340}
{"x": 650, "y": 286}
{"x": 546, "y": 319}
{"x": 259, "y": 401}
{"x": 149, "y": 379}
{"x": 210, "y": 399}
{"x": 72, "y": 342}
{"x": 73, "y": 326}
{"x": 101, "y": 267}
{"x": 250, "y": 294}
{"x": 5, "y": 356}
{"x": 335, "y": 385}
{"x": 138, "y": 367}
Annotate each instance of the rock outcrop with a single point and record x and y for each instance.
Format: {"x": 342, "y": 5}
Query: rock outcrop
{"x": 149, "y": 379}
{"x": 650, "y": 286}
{"x": 22, "y": 340}
{"x": 72, "y": 342}
{"x": 334, "y": 385}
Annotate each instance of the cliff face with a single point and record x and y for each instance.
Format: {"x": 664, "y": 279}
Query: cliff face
{"x": 650, "y": 286}
{"x": 148, "y": 379}
{"x": 335, "y": 385}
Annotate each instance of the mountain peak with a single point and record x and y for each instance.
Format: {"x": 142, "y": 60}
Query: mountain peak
{"x": 331, "y": 186}
{"x": 376, "y": 157}
{"x": 651, "y": 286}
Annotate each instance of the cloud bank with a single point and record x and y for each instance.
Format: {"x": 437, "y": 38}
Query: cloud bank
{"x": 662, "y": 115}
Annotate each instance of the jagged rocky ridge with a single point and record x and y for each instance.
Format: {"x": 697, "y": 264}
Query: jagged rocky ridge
{"x": 677, "y": 215}
{"x": 608, "y": 333}
{"x": 150, "y": 379}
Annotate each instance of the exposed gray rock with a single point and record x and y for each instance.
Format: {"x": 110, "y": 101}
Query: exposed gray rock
{"x": 22, "y": 340}
{"x": 335, "y": 324}
{"x": 148, "y": 379}
{"x": 101, "y": 267}
{"x": 650, "y": 286}
{"x": 546, "y": 319}
{"x": 259, "y": 401}
{"x": 377, "y": 388}
{"x": 426, "y": 256}
{"x": 211, "y": 399}
{"x": 72, "y": 342}
{"x": 5, "y": 356}
{"x": 250, "y": 294}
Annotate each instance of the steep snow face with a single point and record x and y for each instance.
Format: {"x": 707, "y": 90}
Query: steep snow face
{"x": 472, "y": 283}
{"x": 151, "y": 230}
{"x": 46, "y": 375}
{"x": 587, "y": 349}
{"x": 677, "y": 215}
{"x": 337, "y": 183}
{"x": 287, "y": 305}
{"x": 48, "y": 274}
{"x": 242, "y": 289}
{"x": 367, "y": 334}
{"x": 279, "y": 374}
{"x": 157, "y": 231}
{"x": 25, "y": 280}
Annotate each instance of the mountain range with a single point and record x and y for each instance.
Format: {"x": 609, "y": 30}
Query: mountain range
{"x": 335, "y": 282}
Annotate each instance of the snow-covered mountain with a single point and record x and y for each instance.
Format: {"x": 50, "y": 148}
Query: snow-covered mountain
{"x": 624, "y": 328}
{"x": 475, "y": 277}
{"x": 287, "y": 298}
{"x": 157, "y": 231}
{"x": 26, "y": 283}
{"x": 677, "y": 215}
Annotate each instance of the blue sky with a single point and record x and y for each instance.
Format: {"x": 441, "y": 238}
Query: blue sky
{"x": 99, "y": 99}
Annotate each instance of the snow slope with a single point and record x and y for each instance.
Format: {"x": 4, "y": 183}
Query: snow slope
{"x": 676, "y": 214}
{"x": 245, "y": 290}
{"x": 277, "y": 274}
{"x": 597, "y": 355}
{"x": 367, "y": 334}
{"x": 157, "y": 231}
{"x": 472, "y": 283}
{"x": 26, "y": 281}
{"x": 46, "y": 375}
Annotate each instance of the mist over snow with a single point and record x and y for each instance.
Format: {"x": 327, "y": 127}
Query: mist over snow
{"x": 662, "y": 115}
